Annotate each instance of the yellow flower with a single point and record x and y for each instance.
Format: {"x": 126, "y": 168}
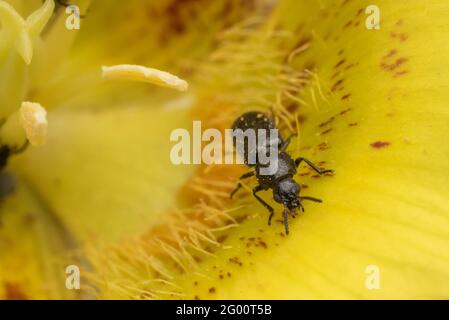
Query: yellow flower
{"x": 102, "y": 193}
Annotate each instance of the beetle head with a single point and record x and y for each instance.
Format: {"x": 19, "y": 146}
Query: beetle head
{"x": 287, "y": 193}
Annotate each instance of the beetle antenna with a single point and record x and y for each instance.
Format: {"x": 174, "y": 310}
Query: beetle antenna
{"x": 286, "y": 220}
{"x": 311, "y": 199}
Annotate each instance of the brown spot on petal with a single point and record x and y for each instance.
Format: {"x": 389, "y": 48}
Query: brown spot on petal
{"x": 400, "y": 36}
{"x": 336, "y": 85}
{"x": 400, "y": 73}
{"x": 236, "y": 260}
{"x": 379, "y": 144}
{"x": 349, "y": 66}
{"x": 335, "y": 75}
{"x": 301, "y": 118}
{"x": 394, "y": 65}
{"x": 348, "y": 24}
{"x": 323, "y": 146}
{"x": 263, "y": 244}
{"x": 346, "y": 96}
{"x": 326, "y": 131}
{"x": 13, "y": 291}
{"x": 339, "y": 63}
{"x": 325, "y": 123}
{"x": 343, "y": 112}
{"x": 390, "y": 54}
{"x": 345, "y": 2}
{"x": 222, "y": 238}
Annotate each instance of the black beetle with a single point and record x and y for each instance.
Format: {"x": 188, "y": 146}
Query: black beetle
{"x": 285, "y": 189}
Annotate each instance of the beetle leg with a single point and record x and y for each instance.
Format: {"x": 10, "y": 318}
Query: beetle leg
{"x": 266, "y": 205}
{"x": 235, "y": 190}
{"x": 314, "y": 167}
{"x": 270, "y": 218}
{"x": 239, "y": 185}
{"x": 286, "y": 143}
{"x": 311, "y": 199}
{"x": 273, "y": 116}
{"x": 286, "y": 220}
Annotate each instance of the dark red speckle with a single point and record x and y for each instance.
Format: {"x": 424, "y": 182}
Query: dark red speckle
{"x": 379, "y": 144}
{"x": 346, "y": 96}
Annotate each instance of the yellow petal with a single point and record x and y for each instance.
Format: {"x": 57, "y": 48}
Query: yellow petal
{"x": 370, "y": 104}
{"x": 116, "y": 162}
{"x": 131, "y": 215}
{"x": 374, "y": 111}
{"x": 32, "y": 246}
{"x": 383, "y": 131}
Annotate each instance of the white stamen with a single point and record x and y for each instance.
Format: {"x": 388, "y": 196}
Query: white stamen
{"x": 33, "y": 118}
{"x": 144, "y": 74}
